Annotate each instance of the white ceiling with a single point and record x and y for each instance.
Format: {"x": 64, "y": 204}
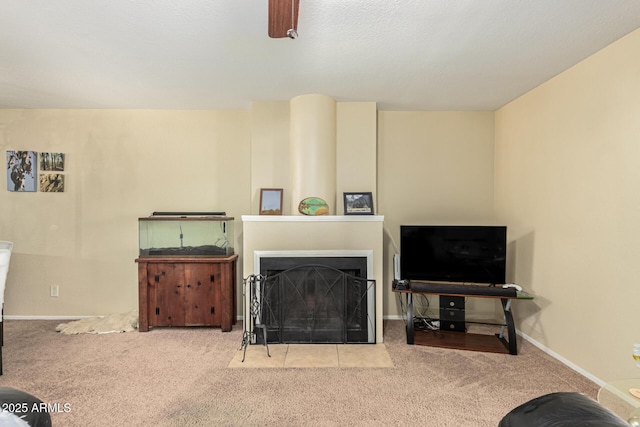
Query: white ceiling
{"x": 216, "y": 54}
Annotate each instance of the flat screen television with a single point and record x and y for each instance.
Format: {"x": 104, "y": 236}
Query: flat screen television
{"x": 461, "y": 254}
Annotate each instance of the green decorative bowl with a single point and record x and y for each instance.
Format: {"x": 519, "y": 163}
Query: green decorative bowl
{"x": 313, "y": 206}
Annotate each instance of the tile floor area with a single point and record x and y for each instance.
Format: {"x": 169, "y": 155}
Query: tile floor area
{"x": 314, "y": 356}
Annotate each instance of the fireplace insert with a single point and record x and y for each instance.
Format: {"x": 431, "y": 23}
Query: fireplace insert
{"x": 317, "y": 300}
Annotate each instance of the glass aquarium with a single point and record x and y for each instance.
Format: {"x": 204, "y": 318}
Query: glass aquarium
{"x": 185, "y": 234}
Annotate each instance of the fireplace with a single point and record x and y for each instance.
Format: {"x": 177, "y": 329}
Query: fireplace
{"x": 307, "y": 239}
{"x": 316, "y": 297}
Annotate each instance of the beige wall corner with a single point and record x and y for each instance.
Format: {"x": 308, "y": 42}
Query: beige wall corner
{"x": 568, "y": 186}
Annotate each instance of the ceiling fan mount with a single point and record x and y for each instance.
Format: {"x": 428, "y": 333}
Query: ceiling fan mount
{"x": 283, "y": 18}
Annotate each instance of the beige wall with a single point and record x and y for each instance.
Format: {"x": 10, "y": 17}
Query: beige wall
{"x": 120, "y": 165}
{"x": 355, "y": 145}
{"x": 356, "y": 129}
{"x": 269, "y": 159}
{"x": 312, "y": 150}
{"x": 433, "y": 168}
{"x": 567, "y": 182}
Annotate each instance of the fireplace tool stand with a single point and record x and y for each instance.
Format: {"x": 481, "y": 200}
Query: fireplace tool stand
{"x": 251, "y": 284}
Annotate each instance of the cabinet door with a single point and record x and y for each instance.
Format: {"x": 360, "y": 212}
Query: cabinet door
{"x": 202, "y": 295}
{"x": 166, "y": 294}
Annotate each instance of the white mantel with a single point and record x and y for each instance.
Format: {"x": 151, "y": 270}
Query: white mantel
{"x": 310, "y": 218}
{"x": 317, "y": 233}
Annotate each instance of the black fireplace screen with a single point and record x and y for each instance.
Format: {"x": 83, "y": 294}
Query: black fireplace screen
{"x": 317, "y": 303}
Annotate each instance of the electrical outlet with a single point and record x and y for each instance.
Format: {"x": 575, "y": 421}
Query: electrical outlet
{"x": 55, "y": 289}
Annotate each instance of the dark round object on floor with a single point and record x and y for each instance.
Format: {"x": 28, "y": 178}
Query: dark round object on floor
{"x": 24, "y": 406}
{"x": 562, "y": 409}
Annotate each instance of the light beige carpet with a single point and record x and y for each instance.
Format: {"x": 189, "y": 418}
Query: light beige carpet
{"x": 179, "y": 377}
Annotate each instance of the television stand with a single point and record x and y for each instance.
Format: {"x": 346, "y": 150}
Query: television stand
{"x": 451, "y": 296}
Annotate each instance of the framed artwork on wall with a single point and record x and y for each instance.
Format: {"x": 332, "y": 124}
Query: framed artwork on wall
{"x": 52, "y": 162}
{"x": 271, "y": 201}
{"x": 358, "y": 203}
{"x": 22, "y": 171}
{"x": 52, "y": 182}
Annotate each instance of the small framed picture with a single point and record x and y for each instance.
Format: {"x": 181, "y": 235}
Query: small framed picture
{"x": 52, "y": 162}
{"x": 271, "y": 201}
{"x": 52, "y": 182}
{"x": 358, "y": 203}
{"x": 22, "y": 171}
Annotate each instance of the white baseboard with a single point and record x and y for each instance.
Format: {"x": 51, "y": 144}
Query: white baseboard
{"x": 563, "y": 360}
{"x": 18, "y": 317}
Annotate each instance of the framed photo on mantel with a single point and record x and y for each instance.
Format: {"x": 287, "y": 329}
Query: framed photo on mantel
{"x": 271, "y": 201}
{"x": 358, "y": 203}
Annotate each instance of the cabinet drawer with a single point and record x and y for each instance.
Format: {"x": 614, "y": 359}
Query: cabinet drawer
{"x": 451, "y": 302}
{"x": 451, "y": 314}
{"x": 453, "y": 326}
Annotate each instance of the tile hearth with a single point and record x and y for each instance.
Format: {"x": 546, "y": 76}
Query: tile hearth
{"x": 314, "y": 356}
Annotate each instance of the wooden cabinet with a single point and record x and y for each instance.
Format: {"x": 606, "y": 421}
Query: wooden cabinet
{"x": 187, "y": 291}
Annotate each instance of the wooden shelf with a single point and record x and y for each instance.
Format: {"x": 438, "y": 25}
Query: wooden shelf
{"x": 460, "y": 341}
